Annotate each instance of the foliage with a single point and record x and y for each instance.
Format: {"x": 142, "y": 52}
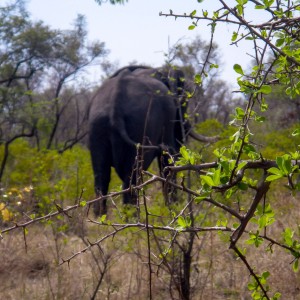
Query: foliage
{"x": 38, "y": 66}
{"x": 35, "y": 185}
{"x": 227, "y": 187}
{"x": 276, "y": 61}
{"x": 212, "y": 98}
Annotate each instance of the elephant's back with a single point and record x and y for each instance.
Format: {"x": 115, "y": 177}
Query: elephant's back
{"x": 145, "y": 107}
{"x": 136, "y": 104}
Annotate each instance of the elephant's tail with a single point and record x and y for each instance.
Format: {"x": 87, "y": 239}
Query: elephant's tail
{"x": 121, "y": 129}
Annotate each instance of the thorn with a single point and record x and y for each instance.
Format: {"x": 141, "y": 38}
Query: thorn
{"x": 61, "y": 210}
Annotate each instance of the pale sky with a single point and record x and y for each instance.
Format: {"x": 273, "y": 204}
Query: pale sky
{"x": 136, "y": 32}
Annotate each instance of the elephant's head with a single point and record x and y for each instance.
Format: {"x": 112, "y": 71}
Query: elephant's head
{"x": 176, "y": 81}
{"x": 174, "y": 78}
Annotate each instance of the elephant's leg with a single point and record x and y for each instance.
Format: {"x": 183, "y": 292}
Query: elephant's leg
{"x": 102, "y": 180}
{"x": 128, "y": 175}
{"x": 131, "y": 196}
{"x": 125, "y": 165}
{"x": 163, "y": 161}
{"x": 132, "y": 176}
{"x": 101, "y": 162}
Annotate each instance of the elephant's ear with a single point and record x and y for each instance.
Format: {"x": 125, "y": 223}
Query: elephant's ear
{"x": 176, "y": 81}
{"x": 163, "y": 77}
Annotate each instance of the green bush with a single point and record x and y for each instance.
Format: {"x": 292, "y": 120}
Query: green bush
{"x": 50, "y": 176}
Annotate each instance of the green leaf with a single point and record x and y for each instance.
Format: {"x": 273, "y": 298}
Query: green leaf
{"x": 255, "y": 239}
{"x": 275, "y": 171}
{"x": 202, "y": 197}
{"x": 265, "y": 275}
{"x": 184, "y": 153}
{"x": 217, "y": 176}
{"x": 268, "y": 3}
{"x": 288, "y": 236}
{"x": 216, "y": 14}
{"x": 264, "y": 105}
{"x": 103, "y": 218}
{"x": 238, "y": 69}
{"x": 265, "y": 89}
{"x": 276, "y": 296}
{"x": 296, "y": 265}
{"x": 240, "y": 9}
{"x": 284, "y": 164}
{"x": 227, "y": 166}
{"x": 264, "y": 33}
{"x": 262, "y": 221}
{"x": 191, "y": 27}
{"x": 242, "y": 186}
{"x": 239, "y": 113}
{"x": 242, "y": 165}
{"x": 214, "y": 66}
{"x": 295, "y": 155}
{"x": 234, "y": 36}
{"x": 213, "y": 26}
{"x": 188, "y": 221}
{"x": 198, "y": 79}
{"x": 235, "y": 225}
{"x": 230, "y": 192}
{"x": 279, "y": 42}
{"x": 296, "y": 132}
{"x": 82, "y": 203}
{"x": 273, "y": 177}
{"x": 252, "y": 286}
{"x": 250, "y": 150}
{"x": 260, "y": 119}
{"x": 208, "y": 180}
{"x": 193, "y": 13}
{"x": 181, "y": 221}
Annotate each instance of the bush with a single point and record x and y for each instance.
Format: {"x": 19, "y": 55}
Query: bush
{"x": 34, "y": 179}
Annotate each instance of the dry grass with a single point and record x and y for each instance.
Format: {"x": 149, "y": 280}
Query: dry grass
{"x": 216, "y": 273}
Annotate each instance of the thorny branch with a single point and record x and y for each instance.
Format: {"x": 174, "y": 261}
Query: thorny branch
{"x": 260, "y": 193}
{"x": 284, "y": 22}
{"x": 273, "y": 24}
{"x": 254, "y": 31}
{"x": 244, "y": 260}
{"x": 141, "y": 226}
{"x": 172, "y": 227}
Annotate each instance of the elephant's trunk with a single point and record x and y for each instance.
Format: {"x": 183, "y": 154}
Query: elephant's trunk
{"x": 202, "y": 138}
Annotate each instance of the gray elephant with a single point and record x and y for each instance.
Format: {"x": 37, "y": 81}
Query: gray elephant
{"x": 136, "y": 105}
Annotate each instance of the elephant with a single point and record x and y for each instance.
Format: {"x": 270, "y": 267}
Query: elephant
{"x": 137, "y": 105}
